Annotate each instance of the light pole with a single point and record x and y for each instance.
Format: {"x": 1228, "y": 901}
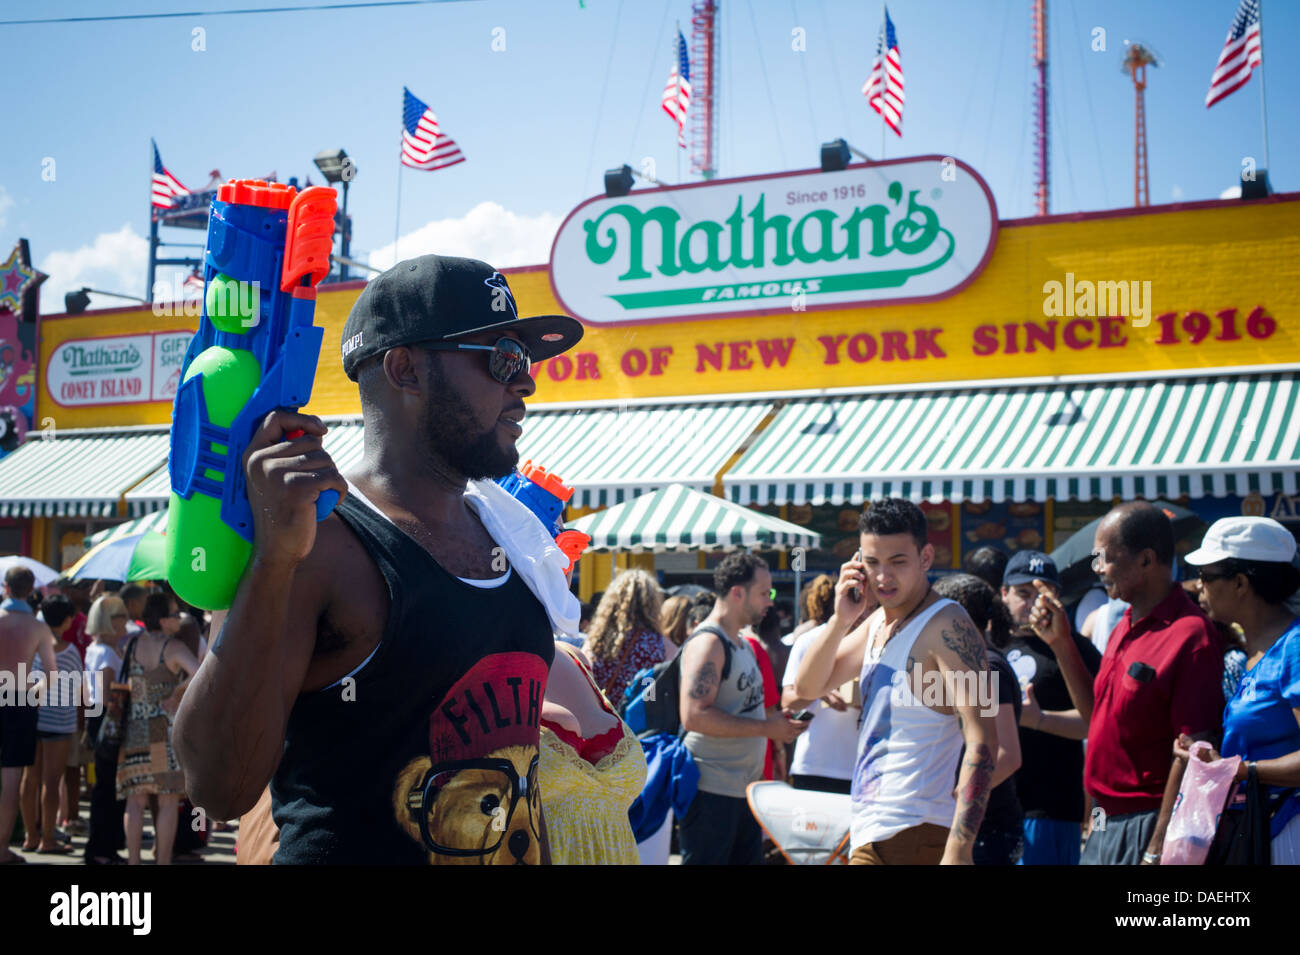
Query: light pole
{"x": 76, "y": 302}
{"x": 336, "y": 166}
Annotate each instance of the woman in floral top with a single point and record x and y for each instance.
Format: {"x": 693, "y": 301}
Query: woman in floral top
{"x": 624, "y": 635}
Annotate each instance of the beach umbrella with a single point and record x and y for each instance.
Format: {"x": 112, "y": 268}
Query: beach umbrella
{"x": 1073, "y": 559}
{"x": 688, "y": 590}
{"x": 44, "y": 575}
{"x": 134, "y": 557}
{"x": 680, "y": 518}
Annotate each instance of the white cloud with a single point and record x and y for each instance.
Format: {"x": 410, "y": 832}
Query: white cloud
{"x": 6, "y": 203}
{"x": 1176, "y": 192}
{"x": 488, "y": 232}
{"x": 1232, "y": 192}
{"x": 113, "y": 261}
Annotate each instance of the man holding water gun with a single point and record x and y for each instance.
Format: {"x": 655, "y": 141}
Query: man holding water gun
{"x": 384, "y": 668}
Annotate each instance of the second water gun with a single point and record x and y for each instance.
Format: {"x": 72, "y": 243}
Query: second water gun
{"x": 545, "y": 495}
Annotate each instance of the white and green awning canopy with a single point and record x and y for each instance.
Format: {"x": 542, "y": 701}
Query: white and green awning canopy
{"x": 681, "y": 518}
{"x": 343, "y": 442}
{"x": 611, "y": 454}
{"x": 1200, "y": 436}
{"x": 153, "y": 521}
{"x": 606, "y": 454}
{"x": 77, "y": 473}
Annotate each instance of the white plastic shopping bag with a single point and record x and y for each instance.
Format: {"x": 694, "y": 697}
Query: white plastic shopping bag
{"x": 1201, "y": 798}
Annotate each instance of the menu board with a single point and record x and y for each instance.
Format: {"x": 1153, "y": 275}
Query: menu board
{"x": 938, "y": 519}
{"x": 1069, "y": 517}
{"x": 1008, "y": 525}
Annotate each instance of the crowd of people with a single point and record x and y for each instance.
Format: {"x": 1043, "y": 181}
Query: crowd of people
{"x": 412, "y": 681}
{"x": 108, "y": 666}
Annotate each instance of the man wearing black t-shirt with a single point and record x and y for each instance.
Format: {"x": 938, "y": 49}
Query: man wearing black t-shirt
{"x": 1050, "y": 779}
{"x": 382, "y": 669}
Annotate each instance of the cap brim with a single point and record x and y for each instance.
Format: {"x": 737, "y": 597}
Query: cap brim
{"x": 1204, "y": 555}
{"x": 1015, "y": 580}
{"x": 545, "y": 335}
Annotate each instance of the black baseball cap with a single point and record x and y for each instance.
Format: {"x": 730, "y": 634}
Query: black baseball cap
{"x": 1026, "y": 566}
{"x": 444, "y": 298}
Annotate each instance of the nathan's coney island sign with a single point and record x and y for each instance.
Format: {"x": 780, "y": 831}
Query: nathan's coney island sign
{"x": 910, "y": 230}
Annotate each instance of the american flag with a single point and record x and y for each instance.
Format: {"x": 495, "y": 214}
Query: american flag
{"x": 884, "y": 87}
{"x": 1241, "y": 54}
{"x": 424, "y": 145}
{"x": 677, "y": 94}
{"x": 166, "y": 187}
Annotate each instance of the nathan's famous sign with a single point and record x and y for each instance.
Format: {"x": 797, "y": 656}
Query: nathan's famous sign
{"x": 116, "y": 370}
{"x": 907, "y": 230}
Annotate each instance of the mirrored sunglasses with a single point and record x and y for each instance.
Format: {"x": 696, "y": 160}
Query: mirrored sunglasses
{"x": 508, "y": 360}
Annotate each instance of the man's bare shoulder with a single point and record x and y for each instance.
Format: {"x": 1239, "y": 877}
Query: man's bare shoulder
{"x": 951, "y": 634}
{"x": 335, "y": 545}
{"x": 21, "y": 625}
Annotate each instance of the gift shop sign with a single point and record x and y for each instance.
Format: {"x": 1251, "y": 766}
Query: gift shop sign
{"x": 908, "y": 230}
{"x": 127, "y": 369}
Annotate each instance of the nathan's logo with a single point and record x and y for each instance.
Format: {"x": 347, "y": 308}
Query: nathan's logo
{"x": 124, "y": 369}
{"x": 100, "y": 359}
{"x": 879, "y": 233}
{"x": 817, "y": 236}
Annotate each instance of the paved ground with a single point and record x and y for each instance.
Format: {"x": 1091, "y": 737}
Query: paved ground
{"x": 220, "y": 849}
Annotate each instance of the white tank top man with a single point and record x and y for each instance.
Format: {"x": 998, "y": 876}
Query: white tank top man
{"x": 921, "y": 664}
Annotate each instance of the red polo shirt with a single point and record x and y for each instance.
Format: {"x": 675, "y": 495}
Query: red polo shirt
{"x": 1134, "y": 722}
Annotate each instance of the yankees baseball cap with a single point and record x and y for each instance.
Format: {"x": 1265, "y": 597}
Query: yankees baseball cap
{"x": 1026, "y": 566}
{"x": 445, "y": 298}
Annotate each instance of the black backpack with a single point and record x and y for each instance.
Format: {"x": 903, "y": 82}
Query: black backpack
{"x": 652, "y": 701}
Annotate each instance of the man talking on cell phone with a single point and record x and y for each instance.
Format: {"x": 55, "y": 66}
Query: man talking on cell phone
{"x": 904, "y": 810}
{"x": 382, "y": 669}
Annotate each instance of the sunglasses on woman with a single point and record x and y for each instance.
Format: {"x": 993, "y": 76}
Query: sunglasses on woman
{"x": 508, "y": 360}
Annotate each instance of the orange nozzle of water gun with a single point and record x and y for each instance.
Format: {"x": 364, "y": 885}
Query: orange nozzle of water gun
{"x": 572, "y": 543}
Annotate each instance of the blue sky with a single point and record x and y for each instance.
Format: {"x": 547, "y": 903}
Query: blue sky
{"x": 576, "y": 90}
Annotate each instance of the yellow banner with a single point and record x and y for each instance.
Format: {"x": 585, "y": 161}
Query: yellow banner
{"x": 1211, "y": 286}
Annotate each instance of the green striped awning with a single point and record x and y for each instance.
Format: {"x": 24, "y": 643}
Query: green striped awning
{"x": 610, "y": 454}
{"x": 680, "y": 518}
{"x": 607, "y": 454}
{"x": 77, "y": 473}
{"x": 342, "y": 443}
{"x": 156, "y": 521}
{"x": 1200, "y": 436}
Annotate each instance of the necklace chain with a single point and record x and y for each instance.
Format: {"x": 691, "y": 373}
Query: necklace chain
{"x": 892, "y": 630}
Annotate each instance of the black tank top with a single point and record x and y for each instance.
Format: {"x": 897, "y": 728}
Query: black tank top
{"x": 429, "y": 753}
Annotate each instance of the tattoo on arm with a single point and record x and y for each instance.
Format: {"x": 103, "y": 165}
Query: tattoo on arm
{"x": 972, "y": 799}
{"x": 964, "y": 641}
{"x": 706, "y": 681}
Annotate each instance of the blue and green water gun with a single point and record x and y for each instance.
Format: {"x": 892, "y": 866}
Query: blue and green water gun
{"x": 256, "y": 350}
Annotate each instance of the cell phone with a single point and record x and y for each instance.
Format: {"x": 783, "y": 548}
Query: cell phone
{"x": 803, "y": 716}
{"x": 856, "y": 592}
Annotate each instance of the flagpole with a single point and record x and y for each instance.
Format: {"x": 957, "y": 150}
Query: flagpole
{"x": 884, "y": 66}
{"x": 153, "y": 224}
{"x": 397, "y": 218}
{"x": 1263, "y": 108}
